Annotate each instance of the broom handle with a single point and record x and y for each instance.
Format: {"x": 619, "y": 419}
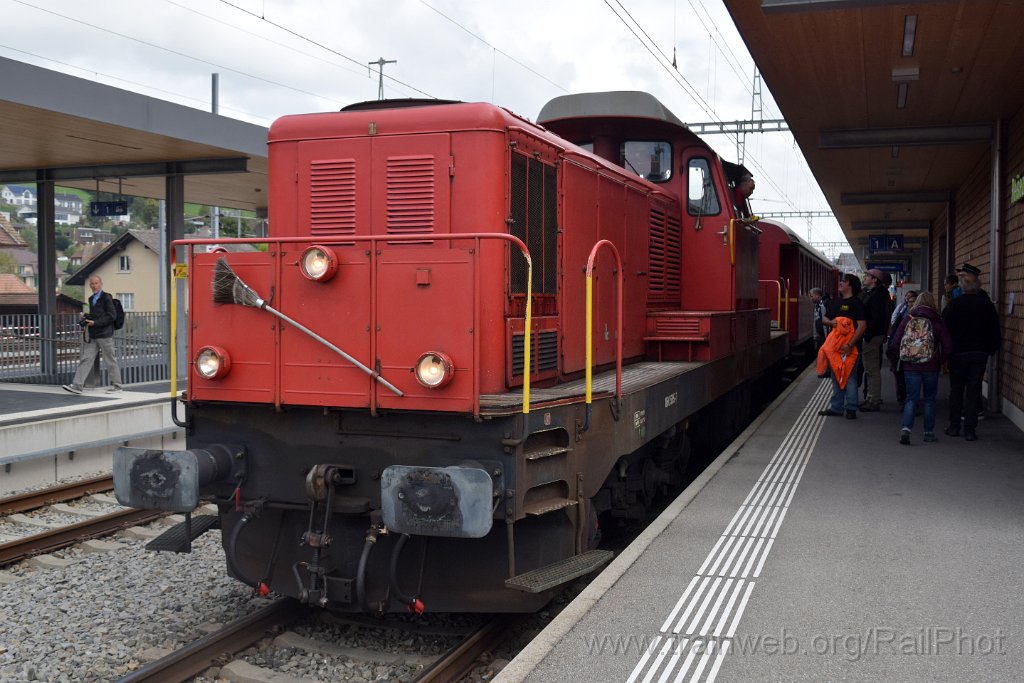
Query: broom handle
{"x": 372, "y": 373}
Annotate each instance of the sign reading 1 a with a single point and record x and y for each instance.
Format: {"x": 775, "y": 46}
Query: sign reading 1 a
{"x": 886, "y": 242}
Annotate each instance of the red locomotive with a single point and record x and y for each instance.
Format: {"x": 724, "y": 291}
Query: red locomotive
{"x": 790, "y": 268}
{"x": 359, "y": 405}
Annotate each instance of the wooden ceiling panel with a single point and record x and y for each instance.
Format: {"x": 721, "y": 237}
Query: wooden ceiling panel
{"x": 832, "y": 70}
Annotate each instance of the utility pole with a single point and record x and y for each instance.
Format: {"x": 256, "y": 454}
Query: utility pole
{"x": 756, "y": 114}
{"x": 380, "y": 74}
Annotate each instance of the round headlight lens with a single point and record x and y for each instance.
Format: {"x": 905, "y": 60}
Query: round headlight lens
{"x": 212, "y": 362}
{"x": 434, "y": 370}
{"x": 318, "y": 263}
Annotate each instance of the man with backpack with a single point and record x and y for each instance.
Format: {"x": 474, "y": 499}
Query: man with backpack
{"x": 98, "y": 327}
{"x": 919, "y": 346}
{"x": 974, "y": 324}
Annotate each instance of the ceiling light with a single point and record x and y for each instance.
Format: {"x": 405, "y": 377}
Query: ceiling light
{"x": 909, "y": 31}
{"x": 901, "y": 96}
{"x": 896, "y": 148}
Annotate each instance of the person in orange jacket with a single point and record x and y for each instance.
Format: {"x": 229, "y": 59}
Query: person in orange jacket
{"x": 849, "y": 306}
{"x": 832, "y": 357}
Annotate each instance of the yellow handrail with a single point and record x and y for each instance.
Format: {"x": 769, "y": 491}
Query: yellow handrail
{"x": 778, "y": 297}
{"x": 589, "y": 381}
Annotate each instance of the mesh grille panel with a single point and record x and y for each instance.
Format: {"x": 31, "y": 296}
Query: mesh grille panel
{"x": 533, "y": 215}
{"x": 517, "y": 226}
{"x": 333, "y": 197}
{"x": 550, "y": 229}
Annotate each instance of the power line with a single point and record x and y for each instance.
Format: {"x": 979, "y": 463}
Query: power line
{"x": 498, "y": 50}
{"x": 319, "y": 45}
{"x": 166, "y": 49}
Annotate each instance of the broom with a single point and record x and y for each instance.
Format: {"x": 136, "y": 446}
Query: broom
{"x": 228, "y": 288}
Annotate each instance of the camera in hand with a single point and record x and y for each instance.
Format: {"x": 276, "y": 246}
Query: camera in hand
{"x": 83, "y": 321}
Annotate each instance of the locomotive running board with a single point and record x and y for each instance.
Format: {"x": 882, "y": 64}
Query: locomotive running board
{"x": 545, "y": 578}
{"x": 177, "y": 540}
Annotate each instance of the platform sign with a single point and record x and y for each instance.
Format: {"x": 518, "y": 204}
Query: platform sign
{"x": 885, "y": 242}
{"x": 893, "y": 267}
{"x": 108, "y": 208}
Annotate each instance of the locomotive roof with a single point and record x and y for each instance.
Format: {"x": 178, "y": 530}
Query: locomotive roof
{"x": 613, "y": 104}
{"x": 388, "y": 117}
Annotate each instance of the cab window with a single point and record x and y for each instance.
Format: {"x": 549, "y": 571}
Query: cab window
{"x": 649, "y": 159}
{"x": 701, "y": 196}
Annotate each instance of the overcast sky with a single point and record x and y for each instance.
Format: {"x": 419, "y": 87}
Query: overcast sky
{"x": 277, "y": 57}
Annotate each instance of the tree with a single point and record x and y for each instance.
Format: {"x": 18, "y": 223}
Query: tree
{"x": 144, "y": 211}
{"x": 8, "y": 264}
{"x": 31, "y": 237}
{"x": 61, "y": 241}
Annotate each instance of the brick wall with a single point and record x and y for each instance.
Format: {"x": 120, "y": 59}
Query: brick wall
{"x": 971, "y": 244}
{"x": 1013, "y": 274}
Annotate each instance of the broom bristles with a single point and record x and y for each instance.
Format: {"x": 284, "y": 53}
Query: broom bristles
{"x": 228, "y": 288}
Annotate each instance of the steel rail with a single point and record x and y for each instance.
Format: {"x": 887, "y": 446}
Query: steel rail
{"x": 55, "y": 539}
{"x": 458, "y": 661}
{"x": 55, "y": 494}
{"x": 212, "y": 649}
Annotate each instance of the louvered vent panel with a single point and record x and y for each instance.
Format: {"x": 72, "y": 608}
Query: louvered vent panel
{"x": 410, "y": 197}
{"x": 333, "y": 197}
{"x": 544, "y": 356}
{"x": 664, "y": 259}
{"x": 677, "y": 327}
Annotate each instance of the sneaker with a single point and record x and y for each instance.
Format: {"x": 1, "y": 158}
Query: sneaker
{"x": 969, "y": 435}
{"x": 828, "y": 412}
{"x": 905, "y": 438}
{"x": 951, "y": 431}
{"x": 113, "y": 389}
{"x": 929, "y": 437}
{"x": 73, "y": 388}
{"x": 851, "y": 414}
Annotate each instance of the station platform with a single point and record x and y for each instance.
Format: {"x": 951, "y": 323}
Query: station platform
{"x": 815, "y": 549}
{"x": 48, "y": 434}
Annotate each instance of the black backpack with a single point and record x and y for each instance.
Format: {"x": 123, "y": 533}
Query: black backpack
{"x": 118, "y": 314}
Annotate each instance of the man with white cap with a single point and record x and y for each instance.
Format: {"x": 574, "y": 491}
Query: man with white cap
{"x": 876, "y": 306}
{"x": 973, "y": 322}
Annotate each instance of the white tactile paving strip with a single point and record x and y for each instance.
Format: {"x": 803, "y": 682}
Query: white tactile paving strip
{"x": 696, "y": 635}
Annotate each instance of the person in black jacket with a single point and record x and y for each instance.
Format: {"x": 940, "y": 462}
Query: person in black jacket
{"x": 98, "y": 334}
{"x": 973, "y": 322}
{"x": 876, "y": 304}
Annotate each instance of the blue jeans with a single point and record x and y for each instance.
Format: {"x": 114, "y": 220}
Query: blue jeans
{"x": 916, "y": 381}
{"x": 847, "y": 396}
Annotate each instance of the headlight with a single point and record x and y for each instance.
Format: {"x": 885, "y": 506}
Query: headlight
{"x": 212, "y": 362}
{"x": 434, "y": 370}
{"x": 318, "y": 264}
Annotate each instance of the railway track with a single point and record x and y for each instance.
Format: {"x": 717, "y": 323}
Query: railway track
{"x": 271, "y": 622}
{"x": 55, "y": 537}
{"x": 55, "y": 494}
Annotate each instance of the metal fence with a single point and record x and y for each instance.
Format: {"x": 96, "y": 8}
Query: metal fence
{"x": 38, "y": 349}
